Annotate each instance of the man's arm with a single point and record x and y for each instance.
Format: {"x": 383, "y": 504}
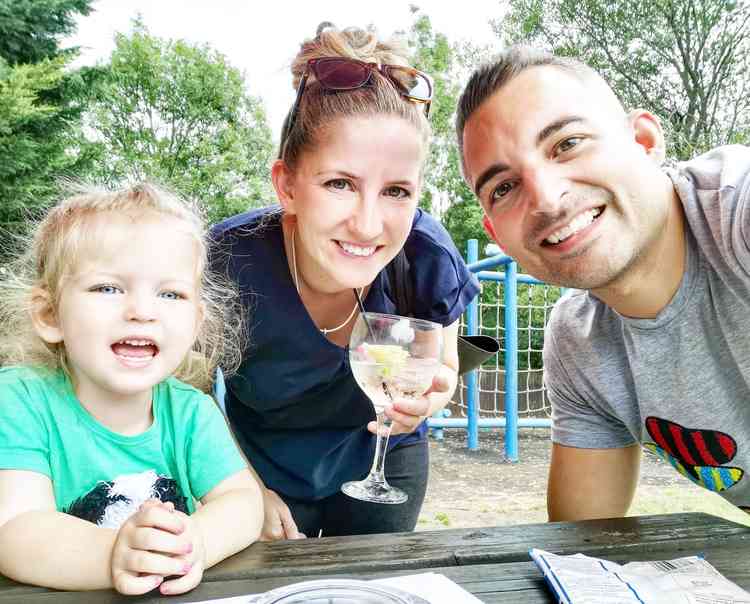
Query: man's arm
{"x": 591, "y": 483}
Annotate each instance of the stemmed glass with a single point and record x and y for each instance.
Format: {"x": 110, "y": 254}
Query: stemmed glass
{"x": 391, "y": 357}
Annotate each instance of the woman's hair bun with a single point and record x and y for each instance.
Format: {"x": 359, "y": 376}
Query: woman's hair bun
{"x": 324, "y": 26}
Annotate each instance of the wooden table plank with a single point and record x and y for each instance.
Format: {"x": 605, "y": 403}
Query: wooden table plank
{"x": 680, "y": 534}
{"x": 509, "y": 582}
{"x": 493, "y": 563}
{"x": 481, "y": 580}
{"x": 469, "y": 546}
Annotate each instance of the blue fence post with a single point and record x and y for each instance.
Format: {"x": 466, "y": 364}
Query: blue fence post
{"x": 511, "y": 362}
{"x": 220, "y": 390}
{"x": 472, "y": 313}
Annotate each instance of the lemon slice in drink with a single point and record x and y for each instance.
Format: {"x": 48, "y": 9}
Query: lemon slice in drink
{"x": 388, "y": 355}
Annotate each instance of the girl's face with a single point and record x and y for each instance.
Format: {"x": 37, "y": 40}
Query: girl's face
{"x": 353, "y": 197}
{"x": 130, "y": 312}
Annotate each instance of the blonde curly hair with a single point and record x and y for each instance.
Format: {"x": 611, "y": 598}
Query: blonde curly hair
{"x": 57, "y": 244}
{"x": 319, "y": 109}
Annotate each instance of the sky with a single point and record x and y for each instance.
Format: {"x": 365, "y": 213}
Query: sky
{"x": 262, "y": 37}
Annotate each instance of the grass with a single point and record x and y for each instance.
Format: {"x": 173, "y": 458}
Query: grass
{"x": 684, "y": 497}
{"x": 443, "y": 518}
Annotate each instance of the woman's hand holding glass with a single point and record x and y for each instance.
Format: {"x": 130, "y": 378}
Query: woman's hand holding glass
{"x": 407, "y": 414}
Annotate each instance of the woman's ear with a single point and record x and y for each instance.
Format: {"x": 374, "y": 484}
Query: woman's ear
{"x": 648, "y": 134}
{"x": 283, "y": 181}
{"x": 44, "y": 316}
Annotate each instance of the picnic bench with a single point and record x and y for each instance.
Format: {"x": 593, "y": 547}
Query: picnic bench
{"x": 492, "y": 563}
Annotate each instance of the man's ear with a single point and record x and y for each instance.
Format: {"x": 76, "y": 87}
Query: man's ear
{"x": 44, "y": 316}
{"x": 648, "y": 134}
{"x": 489, "y": 229}
{"x": 283, "y": 181}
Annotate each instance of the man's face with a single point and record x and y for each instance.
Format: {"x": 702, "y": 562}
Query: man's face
{"x": 571, "y": 185}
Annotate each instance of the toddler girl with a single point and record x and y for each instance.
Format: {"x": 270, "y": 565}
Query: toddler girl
{"x": 103, "y": 450}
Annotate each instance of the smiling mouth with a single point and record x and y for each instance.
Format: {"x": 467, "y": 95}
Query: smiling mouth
{"x": 580, "y": 222}
{"x": 135, "y": 352}
{"x": 358, "y": 250}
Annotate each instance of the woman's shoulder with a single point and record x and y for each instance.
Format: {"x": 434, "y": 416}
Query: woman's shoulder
{"x": 443, "y": 284}
{"x": 429, "y": 239}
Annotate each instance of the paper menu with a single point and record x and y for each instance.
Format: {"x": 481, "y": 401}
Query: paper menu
{"x": 433, "y": 587}
{"x": 580, "y": 579}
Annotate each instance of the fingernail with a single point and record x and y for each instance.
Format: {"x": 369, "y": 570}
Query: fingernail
{"x": 189, "y": 548}
{"x": 186, "y": 569}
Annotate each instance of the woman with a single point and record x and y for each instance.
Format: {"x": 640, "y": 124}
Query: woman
{"x": 348, "y": 179}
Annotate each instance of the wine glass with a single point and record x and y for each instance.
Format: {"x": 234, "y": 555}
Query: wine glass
{"x": 391, "y": 357}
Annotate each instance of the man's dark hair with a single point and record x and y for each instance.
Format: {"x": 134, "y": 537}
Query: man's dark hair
{"x": 492, "y": 76}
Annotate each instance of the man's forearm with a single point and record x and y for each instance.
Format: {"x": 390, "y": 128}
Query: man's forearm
{"x": 56, "y": 550}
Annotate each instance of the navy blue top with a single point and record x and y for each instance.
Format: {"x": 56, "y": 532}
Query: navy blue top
{"x": 296, "y": 410}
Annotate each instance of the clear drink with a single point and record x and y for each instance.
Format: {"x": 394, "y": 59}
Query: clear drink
{"x": 382, "y": 382}
{"x": 391, "y": 358}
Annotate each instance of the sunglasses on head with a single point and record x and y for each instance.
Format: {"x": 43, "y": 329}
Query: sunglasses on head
{"x": 337, "y": 74}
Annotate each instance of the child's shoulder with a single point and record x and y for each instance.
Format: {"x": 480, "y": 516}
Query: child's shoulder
{"x": 28, "y": 377}
{"x": 174, "y": 384}
{"x": 32, "y": 392}
{"x": 184, "y": 407}
{"x": 183, "y": 395}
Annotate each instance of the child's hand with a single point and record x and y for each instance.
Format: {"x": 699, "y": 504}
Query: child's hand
{"x": 193, "y": 561}
{"x": 150, "y": 546}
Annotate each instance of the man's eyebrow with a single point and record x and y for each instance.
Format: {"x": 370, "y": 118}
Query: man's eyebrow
{"x": 555, "y": 126}
{"x": 547, "y": 131}
{"x": 488, "y": 175}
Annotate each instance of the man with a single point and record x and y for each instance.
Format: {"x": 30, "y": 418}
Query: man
{"x": 654, "y": 349}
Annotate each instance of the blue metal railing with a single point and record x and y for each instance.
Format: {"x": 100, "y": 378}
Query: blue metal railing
{"x": 511, "y": 422}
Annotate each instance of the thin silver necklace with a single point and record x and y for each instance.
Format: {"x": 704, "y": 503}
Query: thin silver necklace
{"x": 324, "y": 331}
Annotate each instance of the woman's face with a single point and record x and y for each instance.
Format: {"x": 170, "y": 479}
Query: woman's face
{"x": 353, "y": 196}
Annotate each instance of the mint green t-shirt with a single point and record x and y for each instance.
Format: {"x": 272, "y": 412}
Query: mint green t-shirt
{"x": 103, "y": 476}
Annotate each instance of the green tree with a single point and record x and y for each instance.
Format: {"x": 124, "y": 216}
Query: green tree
{"x": 30, "y": 30}
{"x": 445, "y": 194}
{"x": 685, "y": 60}
{"x": 39, "y": 107}
{"x": 179, "y": 113}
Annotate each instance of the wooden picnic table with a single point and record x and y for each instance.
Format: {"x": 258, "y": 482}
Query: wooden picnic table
{"x": 492, "y": 563}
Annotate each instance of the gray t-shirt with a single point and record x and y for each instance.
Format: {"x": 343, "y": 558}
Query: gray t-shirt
{"x": 678, "y": 384}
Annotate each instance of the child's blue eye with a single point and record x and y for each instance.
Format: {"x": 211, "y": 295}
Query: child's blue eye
{"x": 106, "y": 289}
{"x": 172, "y": 295}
